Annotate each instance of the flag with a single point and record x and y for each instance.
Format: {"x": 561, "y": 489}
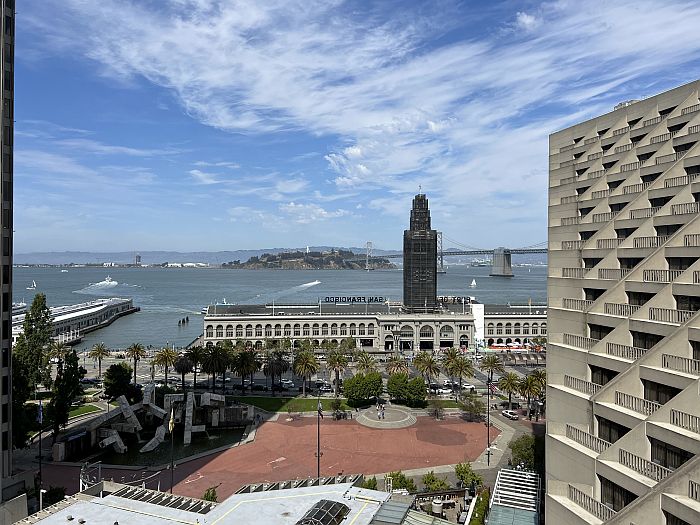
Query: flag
{"x": 40, "y": 414}
{"x": 320, "y": 409}
{"x": 171, "y": 423}
{"x": 492, "y": 387}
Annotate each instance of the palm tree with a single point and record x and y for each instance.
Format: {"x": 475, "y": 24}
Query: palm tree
{"x": 136, "y": 351}
{"x": 305, "y": 365}
{"x": 365, "y": 363}
{"x": 427, "y": 365}
{"x": 449, "y": 357}
{"x": 195, "y": 354}
{"x": 530, "y": 387}
{"x": 492, "y": 363}
{"x": 215, "y": 361}
{"x": 242, "y": 364}
{"x": 166, "y": 358}
{"x": 509, "y": 383}
{"x": 461, "y": 368}
{"x": 396, "y": 365}
{"x": 275, "y": 365}
{"x": 540, "y": 376}
{"x": 183, "y": 366}
{"x": 99, "y": 352}
{"x": 337, "y": 362}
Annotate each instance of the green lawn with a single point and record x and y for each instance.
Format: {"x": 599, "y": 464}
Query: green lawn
{"x": 444, "y": 403}
{"x": 284, "y": 404}
{"x": 83, "y": 409}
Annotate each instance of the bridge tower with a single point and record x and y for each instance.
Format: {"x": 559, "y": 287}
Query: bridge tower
{"x": 441, "y": 257}
{"x": 368, "y": 255}
{"x": 500, "y": 263}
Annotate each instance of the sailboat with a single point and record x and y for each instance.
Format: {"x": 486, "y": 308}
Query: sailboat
{"x": 33, "y": 286}
{"x": 473, "y": 284}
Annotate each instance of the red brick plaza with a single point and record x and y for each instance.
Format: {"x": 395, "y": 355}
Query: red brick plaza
{"x": 285, "y": 450}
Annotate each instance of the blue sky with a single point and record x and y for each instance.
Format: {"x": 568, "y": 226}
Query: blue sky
{"x": 220, "y": 125}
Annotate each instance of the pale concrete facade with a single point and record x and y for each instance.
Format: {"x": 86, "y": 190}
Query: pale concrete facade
{"x": 623, "y": 364}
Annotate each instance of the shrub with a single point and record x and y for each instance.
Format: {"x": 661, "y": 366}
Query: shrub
{"x": 361, "y": 388}
{"x": 481, "y": 508}
{"x": 400, "y": 481}
{"x": 433, "y": 483}
{"x": 397, "y": 386}
{"x": 370, "y": 483}
{"x": 466, "y": 474}
{"x": 210, "y": 495}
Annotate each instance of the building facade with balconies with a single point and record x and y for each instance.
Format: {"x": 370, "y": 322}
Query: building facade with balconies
{"x": 623, "y": 364}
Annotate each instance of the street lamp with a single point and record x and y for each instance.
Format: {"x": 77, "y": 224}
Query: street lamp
{"x": 41, "y": 498}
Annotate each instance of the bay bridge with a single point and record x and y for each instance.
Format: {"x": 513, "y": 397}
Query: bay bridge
{"x": 500, "y": 257}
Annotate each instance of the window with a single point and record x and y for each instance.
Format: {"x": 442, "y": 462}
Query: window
{"x": 5, "y": 440}
{"x": 644, "y": 340}
{"x": 673, "y": 520}
{"x": 219, "y": 331}
{"x": 535, "y": 329}
{"x": 268, "y": 330}
{"x": 229, "y": 331}
{"x": 370, "y": 329}
{"x": 526, "y": 328}
{"x": 598, "y": 331}
{"x": 657, "y": 392}
{"x": 258, "y": 330}
{"x": 315, "y": 330}
{"x": 334, "y": 329}
{"x": 325, "y": 512}
{"x": 695, "y": 345}
{"x": 249, "y": 330}
{"x": 667, "y": 455}
{"x": 343, "y": 329}
{"x": 609, "y": 430}
{"x": 278, "y": 330}
{"x": 543, "y": 329}
{"x": 287, "y": 330}
{"x": 353, "y": 329}
{"x": 687, "y": 302}
{"x": 324, "y": 329}
{"x": 239, "y": 330}
{"x": 307, "y": 330}
{"x": 516, "y": 328}
{"x": 499, "y": 328}
{"x": 210, "y": 331}
{"x": 361, "y": 329}
{"x": 613, "y": 495}
{"x": 508, "y": 328}
{"x": 489, "y": 329}
{"x": 297, "y": 330}
{"x": 601, "y": 376}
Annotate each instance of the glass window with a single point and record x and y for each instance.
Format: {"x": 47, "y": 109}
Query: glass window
{"x": 613, "y": 495}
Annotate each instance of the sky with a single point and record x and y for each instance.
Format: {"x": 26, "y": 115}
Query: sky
{"x": 213, "y": 125}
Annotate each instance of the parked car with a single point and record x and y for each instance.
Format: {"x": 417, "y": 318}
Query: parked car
{"x": 513, "y": 405}
{"x": 326, "y": 388}
{"x": 287, "y": 383}
{"x": 510, "y": 414}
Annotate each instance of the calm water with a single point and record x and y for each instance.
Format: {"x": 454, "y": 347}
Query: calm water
{"x": 166, "y": 295}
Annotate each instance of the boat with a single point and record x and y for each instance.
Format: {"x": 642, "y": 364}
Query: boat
{"x": 473, "y": 284}
{"x": 19, "y": 308}
{"x": 64, "y": 271}
{"x": 33, "y": 286}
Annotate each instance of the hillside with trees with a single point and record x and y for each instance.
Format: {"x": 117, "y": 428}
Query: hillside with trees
{"x": 313, "y": 260}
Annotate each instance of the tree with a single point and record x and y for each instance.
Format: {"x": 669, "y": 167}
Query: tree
{"x": 135, "y": 352}
{"x": 396, "y": 365}
{"x": 427, "y": 365}
{"x": 182, "y": 366}
{"x": 195, "y": 354}
{"x": 337, "y": 362}
{"x": 509, "y": 383}
{"x": 243, "y": 363}
{"x": 472, "y": 404}
{"x": 362, "y": 387}
{"x": 32, "y": 344}
{"x": 365, "y": 363}
{"x": 117, "y": 381}
{"x": 397, "y": 386}
{"x": 448, "y": 358}
{"x": 416, "y": 392}
{"x": 275, "y": 365}
{"x": 210, "y": 495}
{"x": 540, "y": 375}
{"x": 99, "y": 352}
{"x": 523, "y": 451}
{"x": 370, "y": 483}
{"x": 305, "y": 365}
{"x": 466, "y": 474}
{"x": 492, "y": 364}
{"x": 166, "y": 358}
{"x": 215, "y": 361}
{"x": 66, "y": 388}
{"x": 400, "y": 481}
{"x": 530, "y": 387}
{"x": 461, "y": 368}
{"x": 433, "y": 483}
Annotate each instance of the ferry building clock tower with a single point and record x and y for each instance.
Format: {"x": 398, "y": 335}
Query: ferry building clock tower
{"x": 420, "y": 260}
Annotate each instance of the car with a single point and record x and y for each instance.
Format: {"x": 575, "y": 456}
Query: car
{"x": 513, "y": 405}
{"x": 468, "y": 387}
{"x": 326, "y": 388}
{"x": 509, "y": 414}
{"x": 444, "y": 390}
{"x": 287, "y": 382}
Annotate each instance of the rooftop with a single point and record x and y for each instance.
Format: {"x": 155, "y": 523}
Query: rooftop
{"x": 516, "y": 498}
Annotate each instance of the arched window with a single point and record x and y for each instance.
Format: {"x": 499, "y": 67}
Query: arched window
{"x": 324, "y": 329}
{"x": 287, "y": 330}
{"x": 278, "y": 330}
{"x": 535, "y": 329}
{"x": 516, "y": 328}
{"x": 508, "y": 328}
{"x": 526, "y": 328}
{"x": 229, "y": 331}
{"x": 334, "y": 329}
{"x": 268, "y": 330}
{"x": 361, "y": 329}
{"x": 219, "y": 331}
{"x": 210, "y": 331}
{"x": 307, "y": 330}
{"x": 499, "y": 328}
{"x": 249, "y": 330}
{"x": 258, "y": 330}
{"x": 406, "y": 332}
{"x": 426, "y": 332}
{"x": 314, "y": 329}
{"x": 239, "y": 330}
{"x": 446, "y": 332}
{"x": 489, "y": 329}
{"x": 297, "y": 329}
{"x": 370, "y": 329}
{"x": 543, "y": 329}
{"x": 353, "y": 329}
{"x": 343, "y": 329}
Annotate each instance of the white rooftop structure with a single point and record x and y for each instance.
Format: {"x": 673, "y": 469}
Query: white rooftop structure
{"x": 516, "y": 498}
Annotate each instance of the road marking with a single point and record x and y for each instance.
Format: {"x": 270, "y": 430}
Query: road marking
{"x": 192, "y": 480}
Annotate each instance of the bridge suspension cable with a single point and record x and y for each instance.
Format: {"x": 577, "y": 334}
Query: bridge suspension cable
{"x": 542, "y": 244}
{"x": 459, "y": 244}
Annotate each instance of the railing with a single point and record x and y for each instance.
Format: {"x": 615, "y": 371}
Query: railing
{"x": 571, "y": 245}
{"x": 575, "y": 304}
{"x": 621, "y": 309}
{"x": 604, "y": 217}
{"x": 595, "y": 174}
{"x": 571, "y": 198}
{"x": 685, "y": 208}
{"x": 587, "y": 440}
{"x": 668, "y": 315}
{"x": 605, "y": 244}
{"x": 569, "y": 221}
{"x": 670, "y": 157}
{"x": 694, "y": 490}
{"x": 635, "y": 188}
{"x": 581, "y": 385}
{"x": 567, "y": 180}
{"x": 691, "y": 240}
{"x": 680, "y": 181}
{"x": 644, "y": 213}
{"x": 596, "y": 155}
{"x": 612, "y": 273}
{"x": 624, "y": 351}
{"x": 660, "y": 276}
{"x": 680, "y": 364}
{"x": 685, "y": 420}
{"x": 690, "y": 109}
{"x": 620, "y": 131}
{"x": 576, "y": 273}
{"x": 694, "y": 129}
{"x": 643, "y": 466}
{"x": 650, "y": 242}
{"x": 638, "y": 404}
{"x": 600, "y": 194}
{"x": 591, "y": 505}
{"x": 625, "y": 147}
{"x": 662, "y": 138}
{"x": 630, "y": 167}
{"x": 580, "y": 341}
{"x": 566, "y": 163}
{"x": 696, "y": 277}
{"x": 568, "y": 147}
{"x": 651, "y": 121}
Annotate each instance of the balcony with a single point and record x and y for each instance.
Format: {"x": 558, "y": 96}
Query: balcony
{"x": 694, "y": 129}
{"x": 652, "y": 121}
{"x": 685, "y": 420}
{"x": 595, "y": 174}
{"x": 589, "y": 441}
{"x": 680, "y": 364}
{"x": 567, "y": 180}
{"x": 674, "y": 182}
{"x": 650, "y": 242}
{"x": 576, "y": 273}
{"x": 625, "y": 147}
{"x": 696, "y": 277}
{"x": 604, "y": 217}
{"x": 636, "y": 404}
{"x": 612, "y": 273}
{"x": 581, "y": 385}
{"x": 672, "y": 157}
{"x": 643, "y": 466}
{"x": 566, "y": 163}
{"x": 691, "y": 240}
{"x": 601, "y": 194}
{"x": 603, "y": 244}
{"x": 570, "y": 221}
{"x": 644, "y": 213}
{"x": 694, "y": 490}
{"x": 624, "y": 351}
{"x": 635, "y": 188}
{"x": 620, "y": 131}
{"x": 591, "y": 140}
{"x": 685, "y": 208}
{"x": 669, "y": 315}
{"x": 662, "y": 138}
{"x": 690, "y": 109}
{"x": 621, "y": 309}
{"x": 570, "y": 199}
{"x": 596, "y": 155}
{"x": 580, "y": 341}
{"x": 572, "y": 245}
{"x": 630, "y": 167}
{"x": 575, "y": 304}
{"x": 568, "y": 147}
{"x": 660, "y": 276}
{"x": 590, "y": 505}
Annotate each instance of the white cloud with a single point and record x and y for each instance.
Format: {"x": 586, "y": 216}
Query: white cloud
{"x": 203, "y": 177}
{"x": 99, "y": 148}
{"x": 526, "y": 21}
{"x": 308, "y": 213}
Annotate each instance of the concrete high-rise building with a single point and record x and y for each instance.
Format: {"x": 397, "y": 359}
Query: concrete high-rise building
{"x": 7, "y": 81}
{"x": 420, "y": 260}
{"x": 623, "y": 364}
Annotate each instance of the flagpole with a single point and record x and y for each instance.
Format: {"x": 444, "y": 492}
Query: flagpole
{"x": 318, "y": 437}
{"x": 171, "y": 427}
{"x": 41, "y": 425}
{"x": 488, "y": 427}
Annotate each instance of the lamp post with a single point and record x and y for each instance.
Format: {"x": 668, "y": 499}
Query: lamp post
{"x": 171, "y": 428}
{"x": 41, "y": 498}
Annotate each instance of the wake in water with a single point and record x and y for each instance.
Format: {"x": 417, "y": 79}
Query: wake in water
{"x": 290, "y": 291}
{"x": 99, "y": 288}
